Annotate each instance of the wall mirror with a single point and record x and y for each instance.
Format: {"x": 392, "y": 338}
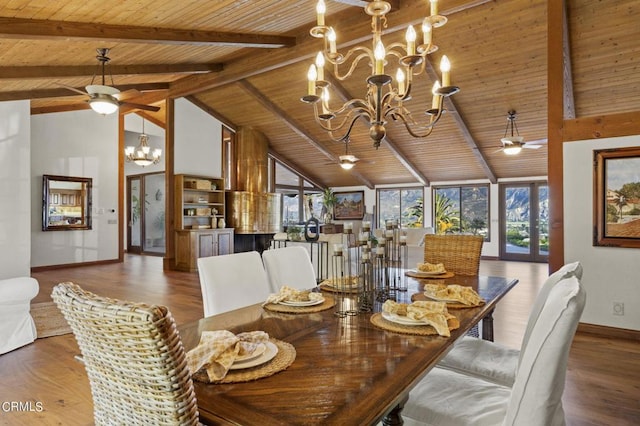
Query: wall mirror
{"x": 66, "y": 203}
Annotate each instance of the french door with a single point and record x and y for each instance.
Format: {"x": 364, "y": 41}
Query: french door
{"x": 146, "y": 213}
{"x": 524, "y": 221}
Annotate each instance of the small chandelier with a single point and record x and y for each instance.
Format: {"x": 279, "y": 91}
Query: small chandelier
{"x": 142, "y": 155}
{"x": 377, "y": 107}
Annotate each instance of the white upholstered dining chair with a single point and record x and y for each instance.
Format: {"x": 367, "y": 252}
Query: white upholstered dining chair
{"x": 451, "y": 398}
{"x": 496, "y": 362}
{"x": 290, "y": 266}
{"x": 232, "y": 281}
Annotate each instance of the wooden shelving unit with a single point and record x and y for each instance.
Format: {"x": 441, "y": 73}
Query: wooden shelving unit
{"x": 200, "y": 202}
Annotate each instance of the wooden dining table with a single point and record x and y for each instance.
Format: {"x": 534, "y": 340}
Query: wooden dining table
{"x": 346, "y": 371}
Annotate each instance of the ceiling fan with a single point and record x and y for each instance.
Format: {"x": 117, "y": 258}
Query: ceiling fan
{"x": 347, "y": 161}
{"x": 513, "y": 144}
{"x": 105, "y": 99}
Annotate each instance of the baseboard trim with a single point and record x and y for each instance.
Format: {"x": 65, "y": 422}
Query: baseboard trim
{"x": 74, "y": 265}
{"x": 604, "y": 331}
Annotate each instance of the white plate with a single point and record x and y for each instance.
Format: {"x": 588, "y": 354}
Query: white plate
{"x": 302, "y": 302}
{"x": 439, "y": 299}
{"x": 399, "y": 319}
{"x": 270, "y": 352}
{"x": 255, "y": 354}
{"x": 425, "y": 274}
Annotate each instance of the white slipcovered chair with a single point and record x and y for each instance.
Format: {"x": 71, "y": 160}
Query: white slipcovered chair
{"x": 290, "y": 266}
{"x": 16, "y": 324}
{"x": 451, "y": 398}
{"x": 493, "y": 361}
{"x": 232, "y": 281}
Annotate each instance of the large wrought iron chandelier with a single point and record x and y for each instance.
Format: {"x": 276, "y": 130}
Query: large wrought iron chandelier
{"x": 379, "y": 105}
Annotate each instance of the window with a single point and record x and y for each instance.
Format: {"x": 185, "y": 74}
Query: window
{"x": 301, "y": 198}
{"x": 402, "y": 204}
{"x": 461, "y": 209}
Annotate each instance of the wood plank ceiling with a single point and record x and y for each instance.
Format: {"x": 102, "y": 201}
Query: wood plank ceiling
{"x": 247, "y": 62}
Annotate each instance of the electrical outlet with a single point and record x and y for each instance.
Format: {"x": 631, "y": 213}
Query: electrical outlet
{"x": 618, "y": 308}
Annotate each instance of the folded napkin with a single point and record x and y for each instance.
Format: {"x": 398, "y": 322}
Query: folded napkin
{"x": 434, "y": 314}
{"x": 218, "y": 349}
{"x": 292, "y": 295}
{"x": 430, "y": 267}
{"x": 458, "y": 293}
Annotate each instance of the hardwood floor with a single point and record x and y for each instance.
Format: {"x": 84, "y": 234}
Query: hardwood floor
{"x": 603, "y": 377}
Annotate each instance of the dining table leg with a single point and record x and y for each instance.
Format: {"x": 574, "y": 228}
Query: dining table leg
{"x": 487, "y": 326}
{"x": 394, "y": 417}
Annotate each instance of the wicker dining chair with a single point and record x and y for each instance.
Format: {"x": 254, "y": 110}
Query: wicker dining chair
{"x": 459, "y": 253}
{"x": 134, "y": 358}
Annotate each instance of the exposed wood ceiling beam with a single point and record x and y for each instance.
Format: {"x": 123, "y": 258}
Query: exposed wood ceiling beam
{"x": 215, "y": 114}
{"x": 462, "y": 126}
{"x": 569, "y": 103}
{"x": 386, "y": 142}
{"x": 354, "y": 29}
{"x": 89, "y": 70}
{"x": 62, "y": 92}
{"x": 602, "y": 126}
{"x": 295, "y": 127}
{"x": 44, "y": 29}
{"x": 395, "y": 4}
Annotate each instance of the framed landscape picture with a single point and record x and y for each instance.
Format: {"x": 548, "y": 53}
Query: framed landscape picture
{"x": 616, "y": 197}
{"x": 349, "y": 205}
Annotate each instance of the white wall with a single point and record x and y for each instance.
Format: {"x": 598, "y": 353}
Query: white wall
{"x": 80, "y": 144}
{"x": 15, "y": 189}
{"x": 197, "y": 141}
{"x": 611, "y": 274}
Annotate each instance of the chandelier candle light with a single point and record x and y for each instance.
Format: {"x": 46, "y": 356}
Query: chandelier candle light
{"x": 377, "y": 107}
{"x": 142, "y": 155}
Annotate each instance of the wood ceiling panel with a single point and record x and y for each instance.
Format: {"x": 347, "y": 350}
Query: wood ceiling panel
{"x": 605, "y": 55}
{"x": 497, "y": 50}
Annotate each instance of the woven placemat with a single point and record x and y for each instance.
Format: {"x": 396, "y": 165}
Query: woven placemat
{"x": 419, "y": 330}
{"x": 332, "y": 289}
{"x": 450, "y": 305}
{"x": 283, "y": 359}
{"x": 329, "y": 302}
{"x": 413, "y": 274}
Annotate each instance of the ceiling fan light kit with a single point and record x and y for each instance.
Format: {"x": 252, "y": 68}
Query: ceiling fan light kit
{"x": 513, "y": 144}
{"x": 377, "y": 106}
{"x": 105, "y": 99}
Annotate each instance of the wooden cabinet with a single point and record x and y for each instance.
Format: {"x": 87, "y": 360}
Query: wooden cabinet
{"x": 193, "y": 244}
{"x": 200, "y": 204}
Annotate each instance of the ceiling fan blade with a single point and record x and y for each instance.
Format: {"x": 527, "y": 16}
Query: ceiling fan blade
{"x": 526, "y": 145}
{"x": 141, "y": 106}
{"x": 537, "y": 142}
{"x": 82, "y": 92}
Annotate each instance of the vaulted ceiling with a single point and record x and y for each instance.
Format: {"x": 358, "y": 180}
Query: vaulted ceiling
{"x": 246, "y": 62}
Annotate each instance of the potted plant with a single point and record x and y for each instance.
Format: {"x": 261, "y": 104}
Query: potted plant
{"x": 329, "y": 200}
{"x": 294, "y": 233}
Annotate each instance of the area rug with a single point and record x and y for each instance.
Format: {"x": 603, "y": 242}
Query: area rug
{"x": 49, "y": 320}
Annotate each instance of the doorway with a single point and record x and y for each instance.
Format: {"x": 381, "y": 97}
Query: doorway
{"x": 146, "y": 214}
{"x": 524, "y": 221}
